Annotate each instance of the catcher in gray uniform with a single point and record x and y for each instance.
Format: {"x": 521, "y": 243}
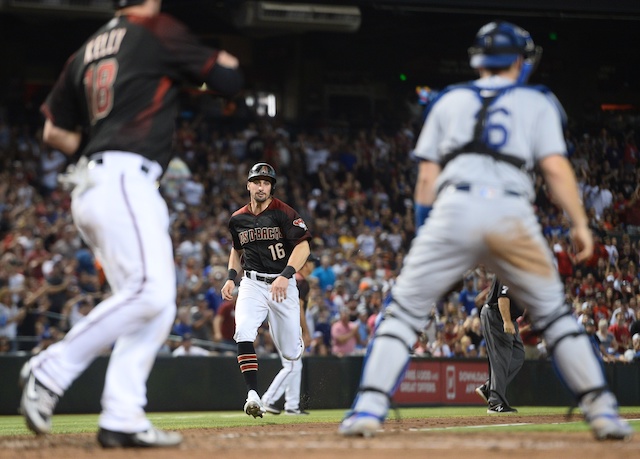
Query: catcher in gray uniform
{"x": 479, "y": 145}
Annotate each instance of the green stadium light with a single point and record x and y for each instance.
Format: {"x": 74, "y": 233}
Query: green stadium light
{"x": 403, "y": 77}
{"x": 553, "y": 36}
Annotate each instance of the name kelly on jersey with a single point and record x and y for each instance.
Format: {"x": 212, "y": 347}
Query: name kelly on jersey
{"x": 105, "y": 44}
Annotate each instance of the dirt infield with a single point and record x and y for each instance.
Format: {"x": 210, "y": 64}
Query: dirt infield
{"x": 427, "y": 437}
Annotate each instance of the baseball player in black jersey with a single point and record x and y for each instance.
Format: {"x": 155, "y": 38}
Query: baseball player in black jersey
{"x": 270, "y": 243}
{"x": 115, "y": 103}
{"x": 504, "y": 346}
{"x": 289, "y": 379}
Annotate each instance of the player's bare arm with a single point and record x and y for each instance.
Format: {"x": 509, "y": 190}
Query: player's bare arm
{"x": 234, "y": 266}
{"x": 563, "y": 186}
{"x": 227, "y": 60}
{"x": 425, "y": 192}
{"x": 297, "y": 260}
{"x": 66, "y": 141}
{"x": 504, "y": 305}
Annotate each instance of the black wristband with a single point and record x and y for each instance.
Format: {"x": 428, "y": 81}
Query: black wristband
{"x": 288, "y": 272}
{"x": 232, "y": 274}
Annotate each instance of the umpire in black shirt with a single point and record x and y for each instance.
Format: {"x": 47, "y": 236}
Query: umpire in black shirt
{"x": 504, "y": 347}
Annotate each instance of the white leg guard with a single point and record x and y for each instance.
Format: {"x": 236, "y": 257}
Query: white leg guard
{"x": 582, "y": 372}
{"x": 574, "y": 356}
{"x": 384, "y": 366}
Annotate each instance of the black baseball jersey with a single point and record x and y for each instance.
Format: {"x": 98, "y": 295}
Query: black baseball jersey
{"x": 499, "y": 290}
{"x": 267, "y": 238}
{"x": 121, "y": 86}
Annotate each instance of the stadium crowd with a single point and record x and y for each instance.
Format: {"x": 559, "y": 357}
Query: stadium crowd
{"x": 354, "y": 188}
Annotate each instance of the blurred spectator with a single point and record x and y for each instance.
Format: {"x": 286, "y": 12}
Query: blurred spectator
{"x": 530, "y": 339}
{"x": 621, "y": 308}
{"x": 187, "y": 348}
{"x": 318, "y": 346}
{"x": 345, "y": 336}
{"x": 324, "y": 273}
{"x": 467, "y": 297}
{"x": 52, "y": 162}
{"x": 10, "y": 317}
{"x": 621, "y": 333}
{"x": 422, "y": 347}
{"x": 5, "y": 345}
{"x": 564, "y": 258}
{"x": 182, "y": 323}
{"x": 366, "y": 241}
{"x": 439, "y": 348}
{"x": 633, "y": 354}
{"x": 58, "y": 287}
{"x": 608, "y": 344}
{"x": 224, "y": 324}
{"x": 202, "y": 319}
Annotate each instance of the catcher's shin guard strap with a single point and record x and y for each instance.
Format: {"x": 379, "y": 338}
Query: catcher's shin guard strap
{"x": 551, "y": 347}
{"x": 374, "y": 389}
{"x": 402, "y": 340}
{"x": 548, "y": 323}
{"x": 594, "y": 392}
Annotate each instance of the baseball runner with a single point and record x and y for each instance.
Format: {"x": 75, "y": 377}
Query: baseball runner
{"x": 120, "y": 88}
{"x": 505, "y": 349}
{"x": 479, "y": 144}
{"x": 289, "y": 379}
{"x": 270, "y": 243}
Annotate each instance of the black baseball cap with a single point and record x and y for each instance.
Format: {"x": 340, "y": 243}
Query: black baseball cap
{"x": 313, "y": 258}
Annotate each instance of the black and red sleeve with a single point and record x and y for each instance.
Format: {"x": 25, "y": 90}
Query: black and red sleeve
{"x": 61, "y": 106}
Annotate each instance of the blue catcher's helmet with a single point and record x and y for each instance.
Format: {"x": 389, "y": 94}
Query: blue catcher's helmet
{"x": 498, "y": 44}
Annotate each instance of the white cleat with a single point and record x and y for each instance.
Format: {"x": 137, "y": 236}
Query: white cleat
{"x": 611, "y": 428}
{"x": 360, "y": 425}
{"x": 37, "y": 403}
{"x": 601, "y": 412}
{"x": 253, "y": 406}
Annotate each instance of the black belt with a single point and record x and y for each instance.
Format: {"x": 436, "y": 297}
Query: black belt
{"x": 257, "y": 276}
{"x": 467, "y": 188}
{"x": 99, "y": 160}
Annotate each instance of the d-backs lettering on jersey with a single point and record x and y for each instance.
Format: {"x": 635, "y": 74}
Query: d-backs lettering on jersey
{"x": 259, "y": 234}
{"x": 267, "y": 239}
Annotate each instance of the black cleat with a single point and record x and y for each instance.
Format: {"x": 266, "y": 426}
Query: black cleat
{"x": 483, "y": 393}
{"x": 152, "y": 438}
{"x": 501, "y": 408}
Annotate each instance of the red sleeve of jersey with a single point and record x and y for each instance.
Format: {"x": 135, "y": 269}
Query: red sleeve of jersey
{"x": 186, "y": 52}
{"x": 294, "y": 227}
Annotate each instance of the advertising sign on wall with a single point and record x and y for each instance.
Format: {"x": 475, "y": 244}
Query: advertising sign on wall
{"x": 429, "y": 382}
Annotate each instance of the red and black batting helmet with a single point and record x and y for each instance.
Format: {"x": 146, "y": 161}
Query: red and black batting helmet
{"x": 117, "y": 4}
{"x": 263, "y": 170}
